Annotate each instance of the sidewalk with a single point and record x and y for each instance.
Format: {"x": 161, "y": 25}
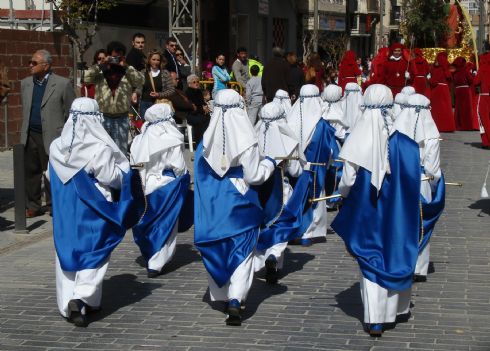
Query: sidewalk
{"x": 316, "y": 306}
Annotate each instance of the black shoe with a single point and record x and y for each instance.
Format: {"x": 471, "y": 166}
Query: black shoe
{"x": 376, "y": 330}
{"x": 153, "y": 273}
{"x": 418, "y": 278}
{"x": 78, "y": 312}
{"x": 234, "y": 318}
{"x": 271, "y": 272}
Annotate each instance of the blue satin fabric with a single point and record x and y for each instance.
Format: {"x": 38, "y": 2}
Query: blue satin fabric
{"x": 87, "y": 227}
{"x": 226, "y": 222}
{"x": 163, "y": 210}
{"x": 381, "y": 231}
{"x": 288, "y": 225}
{"x": 334, "y": 171}
{"x": 431, "y": 211}
{"x": 270, "y": 195}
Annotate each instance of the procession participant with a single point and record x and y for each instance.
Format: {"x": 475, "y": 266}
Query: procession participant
{"x": 399, "y": 104}
{"x": 276, "y": 139}
{"x": 416, "y": 122}
{"x": 463, "y": 103}
{"x": 482, "y": 80}
{"x": 316, "y": 138}
{"x": 282, "y": 97}
{"x": 408, "y": 90}
{"x": 352, "y": 102}
{"x": 419, "y": 72}
{"x": 159, "y": 151}
{"x": 333, "y": 112}
{"x": 86, "y": 168}
{"x": 395, "y": 70}
{"x": 348, "y": 69}
{"x": 441, "y": 104}
{"x": 227, "y": 211}
{"x": 380, "y": 182}
{"x": 377, "y": 67}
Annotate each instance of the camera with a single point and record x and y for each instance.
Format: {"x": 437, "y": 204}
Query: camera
{"x": 114, "y": 59}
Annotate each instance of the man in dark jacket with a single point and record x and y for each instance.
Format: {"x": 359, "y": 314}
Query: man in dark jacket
{"x": 136, "y": 56}
{"x": 296, "y": 76}
{"x": 275, "y": 75}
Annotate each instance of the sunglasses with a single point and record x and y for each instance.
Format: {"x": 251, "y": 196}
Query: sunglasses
{"x": 34, "y": 63}
{"x": 178, "y": 54}
{"x": 100, "y": 58}
{"x": 172, "y": 45}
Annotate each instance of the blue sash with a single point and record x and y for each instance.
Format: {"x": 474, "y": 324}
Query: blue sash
{"x": 431, "y": 211}
{"x": 164, "y": 208}
{"x": 334, "y": 171}
{"x": 87, "y": 227}
{"x": 226, "y": 222}
{"x": 381, "y": 231}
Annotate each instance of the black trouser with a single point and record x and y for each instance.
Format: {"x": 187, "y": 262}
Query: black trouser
{"x": 199, "y": 125}
{"x": 35, "y": 163}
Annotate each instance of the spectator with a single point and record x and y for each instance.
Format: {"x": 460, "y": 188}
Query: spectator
{"x": 220, "y": 74}
{"x": 136, "y": 56}
{"x": 314, "y": 71}
{"x": 184, "y": 67}
{"x": 114, "y": 81}
{"x": 296, "y": 76}
{"x": 170, "y": 50}
{"x": 199, "y": 118}
{"x": 158, "y": 83}
{"x": 181, "y": 104}
{"x": 254, "y": 94}
{"x": 88, "y": 90}
{"x": 46, "y": 100}
{"x": 240, "y": 67}
{"x": 275, "y": 74}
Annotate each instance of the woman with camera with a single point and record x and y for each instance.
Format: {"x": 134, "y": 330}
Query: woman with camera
{"x": 158, "y": 83}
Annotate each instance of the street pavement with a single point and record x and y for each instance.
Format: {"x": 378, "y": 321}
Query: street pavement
{"x": 316, "y": 306}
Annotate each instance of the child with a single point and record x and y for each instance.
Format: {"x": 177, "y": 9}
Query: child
{"x": 254, "y": 94}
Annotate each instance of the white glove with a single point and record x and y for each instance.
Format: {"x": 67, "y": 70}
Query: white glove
{"x": 428, "y": 76}
{"x": 474, "y": 72}
{"x": 407, "y": 75}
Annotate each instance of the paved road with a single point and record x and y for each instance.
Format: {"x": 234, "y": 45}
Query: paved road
{"x": 317, "y": 306}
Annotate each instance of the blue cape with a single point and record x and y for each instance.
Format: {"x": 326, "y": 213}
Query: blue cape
{"x": 226, "y": 222}
{"x": 382, "y": 231}
{"x": 87, "y": 227}
{"x": 431, "y": 211}
{"x": 164, "y": 208}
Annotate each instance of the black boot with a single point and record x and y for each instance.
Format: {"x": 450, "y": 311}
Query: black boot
{"x": 234, "y": 317}
{"x": 271, "y": 271}
{"x": 77, "y": 311}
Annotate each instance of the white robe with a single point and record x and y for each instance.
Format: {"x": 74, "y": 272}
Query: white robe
{"x": 381, "y": 305}
{"x": 151, "y": 174}
{"x": 86, "y": 284}
{"x": 255, "y": 171}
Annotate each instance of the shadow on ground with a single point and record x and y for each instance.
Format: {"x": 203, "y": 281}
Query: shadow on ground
{"x": 349, "y": 301}
{"x": 483, "y": 205}
{"x": 6, "y": 199}
{"x": 114, "y": 298}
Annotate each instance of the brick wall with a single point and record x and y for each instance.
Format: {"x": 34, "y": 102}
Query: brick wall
{"x": 16, "y": 49}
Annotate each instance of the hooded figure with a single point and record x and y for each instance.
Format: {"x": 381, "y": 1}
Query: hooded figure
{"x": 400, "y": 103}
{"x": 416, "y": 122}
{"x": 276, "y": 139}
{"x": 159, "y": 151}
{"x": 351, "y": 104}
{"x": 86, "y": 169}
{"x": 441, "y": 102}
{"x": 482, "y": 80}
{"x": 282, "y": 97}
{"x": 380, "y": 181}
{"x": 227, "y": 211}
{"x": 333, "y": 110}
{"x": 419, "y": 72}
{"x": 348, "y": 69}
{"x": 395, "y": 74}
{"x": 317, "y": 141}
{"x": 463, "y": 105}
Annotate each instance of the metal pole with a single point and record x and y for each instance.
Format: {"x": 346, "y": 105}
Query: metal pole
{"x": 170, "y": 24}
{"x": 51, "y": 13}
{"x": 481, "y": 28}
{"x": 315, "y": 26}
{"x": 193, "y": 21}
{"x": 381, "y": 14}
{"x": 19, "y": 190}
{"x": 5, "y": 121}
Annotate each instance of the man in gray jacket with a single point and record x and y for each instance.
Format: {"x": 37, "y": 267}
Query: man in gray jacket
{"x": 46, "y": 100}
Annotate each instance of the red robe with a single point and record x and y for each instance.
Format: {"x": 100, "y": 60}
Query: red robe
{"x": 419, "y": 69}
{"x": 482, "y": 79}
{"x": 348, "y": 72}
{"x": 441, "y": 105}
{"x": 463, "y": 111}
{"x": 394, "y": 74}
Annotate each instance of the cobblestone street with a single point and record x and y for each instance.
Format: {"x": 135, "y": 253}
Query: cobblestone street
{"x": 316, "y": 306}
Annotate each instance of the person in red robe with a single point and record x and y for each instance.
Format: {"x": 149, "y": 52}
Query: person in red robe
{"x": 482, "y": 80}
{"x": 348, "y": 69}
{"x": 395, "y": 74}
{"x": 442, "y": 110}
{"x": 471, "y": 68}
{"x": 376, "y": 70}
{"x": 419, "y": 71}
{"x": 463, "y": 104}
